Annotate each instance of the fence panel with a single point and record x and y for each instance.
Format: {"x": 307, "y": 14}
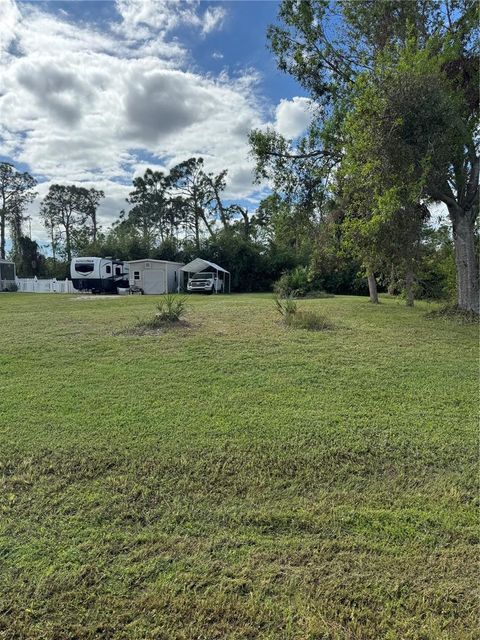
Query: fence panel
{"x": 51, "y": 285}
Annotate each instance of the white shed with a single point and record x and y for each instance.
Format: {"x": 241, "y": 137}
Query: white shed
{"x": 155, "y": 276}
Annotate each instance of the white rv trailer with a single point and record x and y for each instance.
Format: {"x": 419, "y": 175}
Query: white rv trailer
{"x": 99, "y": 275}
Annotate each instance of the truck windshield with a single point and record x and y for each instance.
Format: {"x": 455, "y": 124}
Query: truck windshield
{"x": 202, "y": 276}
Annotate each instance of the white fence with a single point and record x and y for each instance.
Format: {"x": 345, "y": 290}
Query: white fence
{"x": 52, "y": 285}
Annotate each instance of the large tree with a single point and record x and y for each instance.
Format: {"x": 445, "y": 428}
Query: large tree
{"x": 149, "y": 215}
{"x": 16, "y": 192}
{"x": 331, "y": 47}
{"x": 92, "y": 199}
{"x": 196, "y": 193}
{"x": 64, "y": 211}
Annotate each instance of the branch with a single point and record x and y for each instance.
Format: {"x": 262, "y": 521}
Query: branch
{"x": 445, "y": 195}
{"x": 302, "y": 156}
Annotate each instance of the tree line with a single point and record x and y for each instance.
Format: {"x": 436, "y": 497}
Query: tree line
{"x": 394, "y": 130}
{"x": 182, "y": 215}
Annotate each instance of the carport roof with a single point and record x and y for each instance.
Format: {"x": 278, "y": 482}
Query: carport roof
{"x": 199, "y": 264}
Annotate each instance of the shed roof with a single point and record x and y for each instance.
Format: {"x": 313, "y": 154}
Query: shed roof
{"x": 199, "y": 264}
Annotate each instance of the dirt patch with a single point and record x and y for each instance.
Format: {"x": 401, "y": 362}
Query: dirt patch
{"x": 155, "y": 329}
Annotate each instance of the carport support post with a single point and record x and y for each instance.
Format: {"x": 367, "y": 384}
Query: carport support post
{"x": 216, "y": 284}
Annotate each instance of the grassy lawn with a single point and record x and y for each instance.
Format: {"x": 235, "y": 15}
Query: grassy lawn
{"x": 236, "y": 479}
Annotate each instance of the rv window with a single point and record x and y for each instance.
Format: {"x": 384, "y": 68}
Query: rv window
{"x": 84, "y": 267}
{"x": 108, "y": 269}
{"x": 136, "y": 275}
{"x": 118, "y": 271}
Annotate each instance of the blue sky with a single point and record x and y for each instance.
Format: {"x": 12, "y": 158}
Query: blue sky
{"x": 92, "y": 92}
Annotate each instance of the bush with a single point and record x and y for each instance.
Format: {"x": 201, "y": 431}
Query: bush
{"x": 170, "y": 311}
{"x": 300, "y": 318}
{"x": 171, "y": 308}
{"x": 11, "y": 287}
{"x": 296, "y": 282}
{"x": 286, "y": 307}
{"x": 310, "y": 320}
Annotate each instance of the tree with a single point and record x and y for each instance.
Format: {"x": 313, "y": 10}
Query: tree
{"x": 29, "y": 260}
{"x": 64, "y": 210}
{"x": 92, "y": 199}
{"x": 194, "y": 190}
{"x": 217, "y": 184}
{"x": 16, "y": 191}
{"x": 330, "y": 47}
{"x": 148, "y": 214}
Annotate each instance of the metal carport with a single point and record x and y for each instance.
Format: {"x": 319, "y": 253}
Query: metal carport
{"x": 199, "y": 264}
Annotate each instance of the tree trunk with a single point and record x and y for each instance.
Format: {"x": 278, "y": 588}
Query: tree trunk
{"x": 372, "y": 288}
{"x": 67, "y": 244}
{"x": 391, "y": 282}
{"x": 197, "y": 231}
{"x": 409, "y": 280}
{"x": 466, "y": 261}
{"x": 2, "y": 234}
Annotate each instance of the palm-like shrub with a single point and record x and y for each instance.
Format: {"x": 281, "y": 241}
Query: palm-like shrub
{"x": 171, "y": 308}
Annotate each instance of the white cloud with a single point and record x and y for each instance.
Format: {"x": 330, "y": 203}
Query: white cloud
{"x": 213, "y": 19}
{"x": 9, "y": 17}
{"x": 293, "y": 116}
{"x": 167, "y": 15}
{"x": 89, "y": 106}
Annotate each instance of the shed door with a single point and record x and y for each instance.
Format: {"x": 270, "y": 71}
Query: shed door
{"x": 154, "y": 281}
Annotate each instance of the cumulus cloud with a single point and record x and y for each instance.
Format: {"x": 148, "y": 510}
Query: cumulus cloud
{"x": 94, "y": 106}
{"x": 10, "y": 16}
{"x": 293, "y": 116}
{"x": 54, "y": 89}
{"x": 159, "y": 104}
{"x": 167, "y": 15}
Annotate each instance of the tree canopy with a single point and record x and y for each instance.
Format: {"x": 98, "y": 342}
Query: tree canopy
{"x": 395, "y": 116}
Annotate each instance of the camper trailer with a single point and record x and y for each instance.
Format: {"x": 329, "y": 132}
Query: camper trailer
{"x": 99, "y": 275}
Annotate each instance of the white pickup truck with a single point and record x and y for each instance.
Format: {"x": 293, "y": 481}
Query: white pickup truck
{"x": 205, "y": 282}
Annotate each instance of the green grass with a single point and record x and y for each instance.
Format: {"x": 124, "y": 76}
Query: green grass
{"x": 234, "y": 478}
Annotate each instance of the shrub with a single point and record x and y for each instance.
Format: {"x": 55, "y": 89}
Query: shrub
{"x": 11, "y": 287}
{"x": 297, "y": 318}
{"x": 296, "y": 282}
{"x": 171, "y": 308}
{"x": 310, "y": 320}
{"x": 286, "y": 307}
{"x": 170, "y": 311}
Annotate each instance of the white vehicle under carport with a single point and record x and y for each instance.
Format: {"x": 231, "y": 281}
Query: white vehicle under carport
{"x": 205, "y": 282}
{"x": 206, "y": 277}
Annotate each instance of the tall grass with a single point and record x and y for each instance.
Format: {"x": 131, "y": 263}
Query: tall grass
{"x": 296, "y": 318}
